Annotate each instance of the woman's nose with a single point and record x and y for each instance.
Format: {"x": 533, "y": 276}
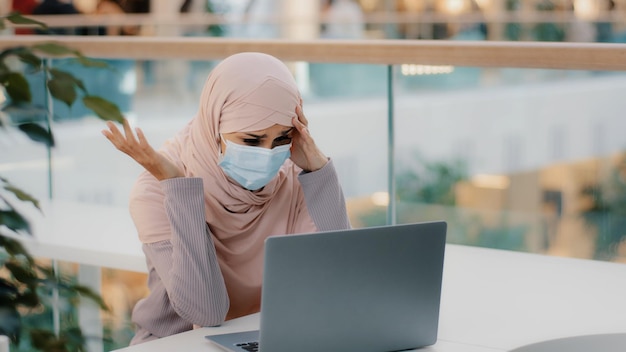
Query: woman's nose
{"x": 266, "y": 145}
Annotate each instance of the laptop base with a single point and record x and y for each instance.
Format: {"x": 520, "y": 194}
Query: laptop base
{"x": 233, "y": 340}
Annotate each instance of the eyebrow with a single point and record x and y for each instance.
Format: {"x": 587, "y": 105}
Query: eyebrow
{"x": 256, "y": 135}
{"x": 283, "y": 133}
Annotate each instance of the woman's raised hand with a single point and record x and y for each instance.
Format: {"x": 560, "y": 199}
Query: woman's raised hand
{"x": 304, "y": 151}
{"x": 140, "y": 150}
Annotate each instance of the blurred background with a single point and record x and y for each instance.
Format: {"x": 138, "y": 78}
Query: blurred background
{"x": 518, "y": 159}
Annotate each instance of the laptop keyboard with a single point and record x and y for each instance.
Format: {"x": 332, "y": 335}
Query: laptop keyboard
{"x": 249, "y": 346}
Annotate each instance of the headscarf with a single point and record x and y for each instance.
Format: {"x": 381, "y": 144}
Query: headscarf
{"x": 245, "y": 92}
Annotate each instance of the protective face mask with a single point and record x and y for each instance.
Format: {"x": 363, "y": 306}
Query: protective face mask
{"x": 253, "y": 167}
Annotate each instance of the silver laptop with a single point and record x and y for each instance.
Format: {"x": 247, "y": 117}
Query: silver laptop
{"x": 370, "y": 289}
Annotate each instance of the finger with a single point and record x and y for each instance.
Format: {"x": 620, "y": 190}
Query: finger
{"x": 301, "y": 116}
{"x": 300, "y": 127}
{"x": 107, "y": 134}
{"x": 113, "y": 134}
{"x": 128, "y": 132}
{"x": 117, "y": 142}
{"x": 143, "y": 141}
{"x": 112, "y": 128}
{"x": 302, "y": 130}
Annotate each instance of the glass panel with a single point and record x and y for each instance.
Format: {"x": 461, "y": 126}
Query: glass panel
{"x": 24, "y": 163}
{"x": 345, "y": 104}
{"x": 347, "y": 111}
{"x": 527, "y": 160}
{"x": 121, "y": 290}
{"x": 88, "y": 178}
{"x": 347, "y": 108}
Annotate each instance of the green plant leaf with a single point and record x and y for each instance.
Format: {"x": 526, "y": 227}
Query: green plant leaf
{"x": 21, "y": 195}
{"x": 103, "y": 108}
{"x": 16, "y": 87}
{"x": 15, "y": 248}
{"x": 55, "y": 49}
{"x": 14, "y": 221}
{"x": 28, "y": 57}
{"x": 2, "y": 25}
{"x": 23, "y": 53}
{"x": 4, "y": 69}
{"x": 29, "y": 299}
{"x": 89, "y": 293}
{"x": 66, "y": 76}
{"x": 8, "y": 291}
{"x": 87, "y": 62}
{"x": 37, "y": 133}
{"x": 63, "y": 90}
{"x": 16, "y": 18}
{"x": 8, "y": 52}
{"x": 45, "y": 340}
{"x": 22, "y": 273}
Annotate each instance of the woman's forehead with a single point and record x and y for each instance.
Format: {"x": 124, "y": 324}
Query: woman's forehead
{"x": 272, "y": 130}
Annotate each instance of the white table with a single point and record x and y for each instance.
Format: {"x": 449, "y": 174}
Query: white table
{"x": 493, "y": 300}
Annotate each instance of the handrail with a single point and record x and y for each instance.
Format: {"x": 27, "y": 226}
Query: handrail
{"x": 571, "y": 56}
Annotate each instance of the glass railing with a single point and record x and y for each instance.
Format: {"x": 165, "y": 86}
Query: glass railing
{"x": 529, "y": 165}
{"x": 525, "y": 159}
{"x": 469, "y": 140}
{"x": 479, "y": 139}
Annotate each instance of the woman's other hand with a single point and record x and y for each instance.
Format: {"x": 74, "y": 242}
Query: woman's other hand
{"x": 304, "y": 151}
{"x": 140, "y": 150}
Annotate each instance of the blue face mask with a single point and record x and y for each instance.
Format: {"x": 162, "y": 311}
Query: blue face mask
{"x": 253, "y": 167}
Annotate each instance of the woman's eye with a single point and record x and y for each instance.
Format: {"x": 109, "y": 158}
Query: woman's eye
{"x": 282, "y": 140}
{"x": 250, "y": 141}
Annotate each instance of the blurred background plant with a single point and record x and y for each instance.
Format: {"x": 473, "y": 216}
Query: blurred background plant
{"x": 29, "y": 290}
{"x": 426, "y": 190}
{"x": 606, "y": 213}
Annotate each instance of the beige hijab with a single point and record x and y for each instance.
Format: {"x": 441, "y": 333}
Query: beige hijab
{"x": 245, "y": 92}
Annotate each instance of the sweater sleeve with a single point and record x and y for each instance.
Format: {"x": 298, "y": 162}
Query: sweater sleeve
{"x": 324, "y": 198}
{"x": 187, "y": 264}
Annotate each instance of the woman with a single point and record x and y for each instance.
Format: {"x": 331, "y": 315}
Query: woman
{"x": 243, "y": 169}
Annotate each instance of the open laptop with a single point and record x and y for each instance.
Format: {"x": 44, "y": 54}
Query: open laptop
{"x": 369, "y": 289}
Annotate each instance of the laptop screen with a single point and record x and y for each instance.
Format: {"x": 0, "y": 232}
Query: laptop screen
{"x": 368, "y": 289}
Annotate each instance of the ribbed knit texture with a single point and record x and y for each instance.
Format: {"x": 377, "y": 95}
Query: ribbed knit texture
{"x": 324, "y": 198}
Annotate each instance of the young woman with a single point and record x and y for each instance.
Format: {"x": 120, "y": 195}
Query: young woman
{"x": 243, "y": 169}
